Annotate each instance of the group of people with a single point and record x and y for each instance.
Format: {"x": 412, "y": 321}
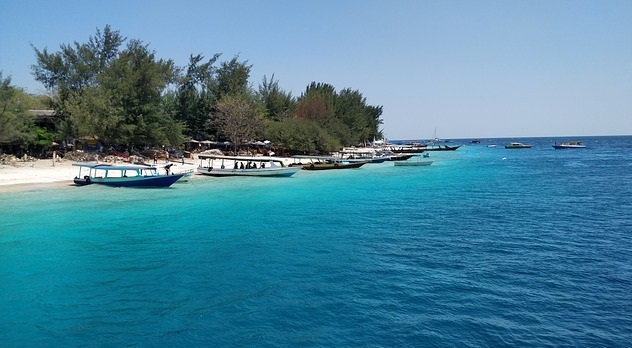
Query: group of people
{"x": 249, "y": 165}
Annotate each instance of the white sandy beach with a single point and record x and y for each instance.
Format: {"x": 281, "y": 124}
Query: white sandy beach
{"x": 42, "y": 173}
{"x": 39, "y": 174}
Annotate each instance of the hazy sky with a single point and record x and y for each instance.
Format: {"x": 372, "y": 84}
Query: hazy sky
{"x": 477, "y": 69}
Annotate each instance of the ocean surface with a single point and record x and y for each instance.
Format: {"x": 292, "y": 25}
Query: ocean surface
{"x": 487, "y": 247}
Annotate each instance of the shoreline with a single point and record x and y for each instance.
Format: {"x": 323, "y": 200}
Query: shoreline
{"x": 41, "y": 174}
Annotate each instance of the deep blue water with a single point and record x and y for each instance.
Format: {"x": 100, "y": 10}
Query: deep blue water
{"x": 487, "y": 247}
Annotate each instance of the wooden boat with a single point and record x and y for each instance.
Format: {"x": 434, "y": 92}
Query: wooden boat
{"x": 130, "y": 175}
{"x": 324, "y": 163}
{"x": 569, "y": 145}
{"x": 412, "y": 163}
{"x": 517, "y": 146}
{"x": 216, "y": 165}
{"x": 441, "y": 148}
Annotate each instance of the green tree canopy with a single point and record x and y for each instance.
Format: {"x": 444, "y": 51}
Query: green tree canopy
{"x": 16, "y": 123}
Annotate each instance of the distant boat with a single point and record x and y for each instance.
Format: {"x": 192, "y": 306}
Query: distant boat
{"x": 476, "y": 141}
{"x": 216, "y": 165}
{"x": 570, "y": 145}
{"x": 441, "y": 148}
{"x": 517, "y": 146}
{"x": 130, "y": 175}
{"x": 412, "y": 163}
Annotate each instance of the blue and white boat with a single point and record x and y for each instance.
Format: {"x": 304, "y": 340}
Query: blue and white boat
{"x": 128, "y": 175}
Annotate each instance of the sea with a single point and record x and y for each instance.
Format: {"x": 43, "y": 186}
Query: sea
{"x": 487, "y": 247}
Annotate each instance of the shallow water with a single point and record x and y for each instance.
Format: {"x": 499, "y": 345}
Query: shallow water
{"x": 486, "y": 247}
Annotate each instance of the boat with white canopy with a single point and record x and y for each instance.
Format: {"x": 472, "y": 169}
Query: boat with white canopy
{"x": 217, "y": 165}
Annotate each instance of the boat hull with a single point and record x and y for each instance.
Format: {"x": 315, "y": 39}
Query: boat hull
{"x": 562, "y": 147}
{"x": 269, "y": 172}
{"x": 517, "y": 146}
{"x": 331, "y": 166}
{"x": 441, "y": 148}
{"x": 400, "y": 157}
{"x": 413, "y": 163}
{"x": 153, "y": 181}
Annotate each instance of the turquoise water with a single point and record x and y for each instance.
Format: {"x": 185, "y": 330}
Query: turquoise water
{"x": 487, "y": 247}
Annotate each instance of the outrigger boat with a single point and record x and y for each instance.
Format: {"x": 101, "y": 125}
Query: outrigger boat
{"x": 324, "y": 163}
{"x": 129, "y": 175}
{"x": 216, "y": 165}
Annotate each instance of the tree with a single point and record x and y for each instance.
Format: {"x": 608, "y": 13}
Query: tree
{"x": 232, "y": 78}
{"x": 237, "y": 119}
{"x": 301, "y": 137}
{"x": 278, "y": 104}
{"x": 79, "y": 65}
{"x": 16, "y": 123}
{"x": 111, "y": 93}
{"x": 196, "y": 96}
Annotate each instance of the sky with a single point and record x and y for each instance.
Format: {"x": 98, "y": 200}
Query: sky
{"x": 454, "y": 69}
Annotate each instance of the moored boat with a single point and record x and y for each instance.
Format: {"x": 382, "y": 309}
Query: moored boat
{"x": 441, "y": 148}
{"x": 324, "y": 163}
{"x": 517, "y": 146}
{"x": 353, "y": 154}
{"x": 216, "y": 165}
{"x": 570, "y": 145}
{"x": 130, "y": 175}
{"x": 413, "y": 163}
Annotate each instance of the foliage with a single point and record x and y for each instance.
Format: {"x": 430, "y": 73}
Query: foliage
{"x": 238, "y": 120}
{"x": 301, "y": 137}
{"x": 16, "y": 123}
{"x": 195, "y": 98}
{"x": 110, "y": 93}
{"x": 119, "y": 92}
{"x": 278, "y": 105}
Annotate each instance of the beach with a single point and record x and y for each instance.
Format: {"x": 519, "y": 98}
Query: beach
{"x": 37, "y": 174}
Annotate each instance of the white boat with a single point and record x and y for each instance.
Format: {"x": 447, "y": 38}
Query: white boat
{"x": 570, "y": 145}
{"x": 355, "y": 155}
{"x": 129, "y": 175}
{"x": 517, "y": 146}
{"x": 412, "y": 163}
{"x": 216, "y": 165}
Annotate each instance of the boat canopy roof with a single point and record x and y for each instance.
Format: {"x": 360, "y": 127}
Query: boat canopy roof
{"x": 113, "y": 167}
{"x": 316, "y": 157}
{"x": 240, "y": 158}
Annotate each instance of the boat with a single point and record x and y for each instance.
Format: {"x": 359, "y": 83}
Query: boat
{"x": 352, "y": 154}
{"x": 570, "y": 145}
{"x": 324, "y": 163}
{"x": 168, "y": 170}
{"x": 129, "y": 175}
{"x": 218, "y": 165}
{"x": 412, "y": 163}
{"x": 392, "y": 156}
{"x": 441, "y": 148}
{"x": 517, "y": 146}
